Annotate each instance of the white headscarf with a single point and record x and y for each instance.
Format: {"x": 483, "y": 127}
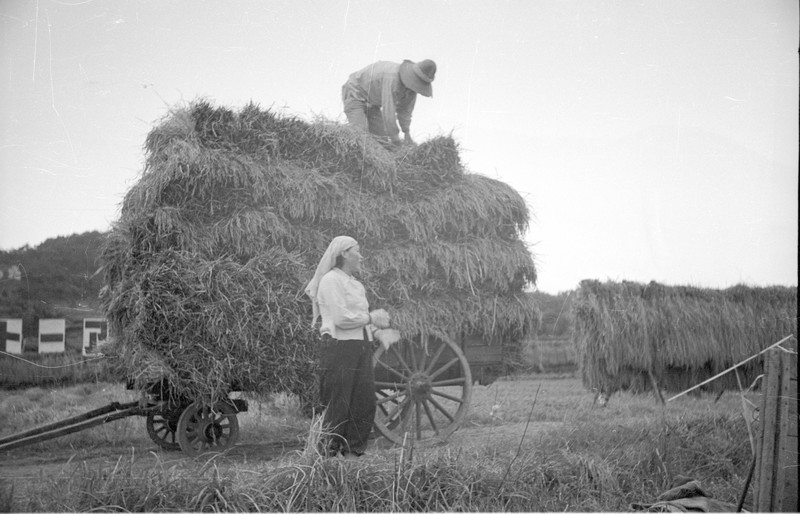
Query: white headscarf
{"x": 326, "y": 263}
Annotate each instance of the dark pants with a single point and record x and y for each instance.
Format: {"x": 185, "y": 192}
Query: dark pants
{"x": 347, "y": 391}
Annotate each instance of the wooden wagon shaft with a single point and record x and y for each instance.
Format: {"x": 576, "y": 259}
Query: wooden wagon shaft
{"x": 89, "y": 419}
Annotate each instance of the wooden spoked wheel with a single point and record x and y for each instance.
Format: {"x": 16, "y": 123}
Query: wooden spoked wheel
{"x": 162, "y": 429}
{"x": 202, "y": 428}
{"x": 422, "y": 390}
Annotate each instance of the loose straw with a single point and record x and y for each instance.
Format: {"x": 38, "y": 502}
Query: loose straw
{"x": 732, "y": 367}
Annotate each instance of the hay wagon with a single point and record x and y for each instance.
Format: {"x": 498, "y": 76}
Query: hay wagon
{"x": 231, "y": 213}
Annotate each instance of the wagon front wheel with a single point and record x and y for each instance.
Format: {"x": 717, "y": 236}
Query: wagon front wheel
{"x": 203, "y": 428}
{"x": 162, "y": 429}
{"x": 422, "y": 390}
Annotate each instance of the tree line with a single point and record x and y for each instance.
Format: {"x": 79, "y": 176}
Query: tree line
{"x": 56, "y": 279}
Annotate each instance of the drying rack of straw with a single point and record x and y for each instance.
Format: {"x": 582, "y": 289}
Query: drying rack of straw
{"x": 652, "y": 337}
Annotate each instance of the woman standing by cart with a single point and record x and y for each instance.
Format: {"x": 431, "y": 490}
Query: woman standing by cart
{"x": 347, "y": 385}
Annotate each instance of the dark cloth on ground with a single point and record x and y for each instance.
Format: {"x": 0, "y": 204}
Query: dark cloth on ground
{"x": 686, "y": 497}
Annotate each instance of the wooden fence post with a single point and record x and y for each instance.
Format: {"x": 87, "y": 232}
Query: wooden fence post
{"x": 775, "y": 487}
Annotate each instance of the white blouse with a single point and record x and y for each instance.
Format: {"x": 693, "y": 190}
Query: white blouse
{"x": 343, "y": 306}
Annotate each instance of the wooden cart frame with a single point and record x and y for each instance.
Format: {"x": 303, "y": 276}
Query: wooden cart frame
{"x": 174, "y": 423}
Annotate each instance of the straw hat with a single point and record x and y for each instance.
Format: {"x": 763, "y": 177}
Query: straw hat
{"x": 418, "y": 76}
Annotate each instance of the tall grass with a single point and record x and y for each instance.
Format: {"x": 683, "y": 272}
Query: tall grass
{"x": 572, "y": 456}
{"x": 589, "y": 468}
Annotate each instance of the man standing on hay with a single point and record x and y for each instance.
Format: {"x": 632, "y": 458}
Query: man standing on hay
{"x": 382, "y": 94}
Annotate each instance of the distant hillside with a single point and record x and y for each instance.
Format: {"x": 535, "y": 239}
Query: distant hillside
{"x": 55, "y": 279}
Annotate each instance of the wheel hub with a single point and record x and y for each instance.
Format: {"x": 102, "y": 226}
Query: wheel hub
{"x": 210, "y": 431}
{"x": 420, "y": 385}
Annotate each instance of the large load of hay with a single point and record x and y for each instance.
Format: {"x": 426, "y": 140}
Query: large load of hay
{"x": 631, "y": 335}
{"x": 206, "y": 266}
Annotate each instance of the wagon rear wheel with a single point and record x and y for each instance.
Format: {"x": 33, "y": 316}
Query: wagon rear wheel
{"x": 422, "y": 390}
{"x": 202, "y": 428}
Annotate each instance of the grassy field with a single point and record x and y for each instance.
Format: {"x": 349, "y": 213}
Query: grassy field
{"x": 530, "y": 443}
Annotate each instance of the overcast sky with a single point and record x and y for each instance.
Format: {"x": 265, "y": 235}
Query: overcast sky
{"x": 652, "y": 140}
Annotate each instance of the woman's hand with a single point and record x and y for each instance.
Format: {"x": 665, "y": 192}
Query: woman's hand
{"x": 380, "y": 318}
{"x": 387, "y": 337}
